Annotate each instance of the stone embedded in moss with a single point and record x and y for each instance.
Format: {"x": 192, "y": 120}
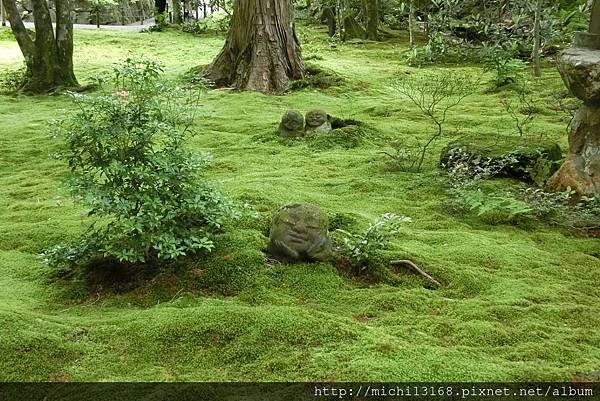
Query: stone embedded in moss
{"x": 534, "y": 161}
{"x": 292, "y": 124}
{"x": 300, "y": 232}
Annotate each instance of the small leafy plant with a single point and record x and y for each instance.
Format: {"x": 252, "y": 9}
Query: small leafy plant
{"x": 466, "y": 172}
{"x": 501, "y": 61}
{"x": 404, "y": 155}
{"x": 13, "y": 80}
{"x": 130, "y": 168}
{"x": 360, "y": 248}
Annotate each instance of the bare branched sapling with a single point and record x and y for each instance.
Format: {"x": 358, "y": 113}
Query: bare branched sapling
{"x": 435, "y": 94}
{"x": 522, "y": 111}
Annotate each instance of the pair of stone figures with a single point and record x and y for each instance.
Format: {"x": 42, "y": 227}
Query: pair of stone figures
{"x": 292, "y": 123}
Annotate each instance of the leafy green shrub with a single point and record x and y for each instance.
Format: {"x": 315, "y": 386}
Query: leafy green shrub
{"x": 559, "y": 208}
{"x": 130, "y": 168}
{"x": 503, "y": 63}
{"x": 466, "y": 173}
{"x": 360, "y": 248}
{"x": 13, "y": 80}
{"x": 467, "y": 169}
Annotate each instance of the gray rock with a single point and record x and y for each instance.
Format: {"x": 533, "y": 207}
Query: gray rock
{"x": 292, "y": 124}
{"x": 580, "y": 70}
{"x": 300, "y": 232}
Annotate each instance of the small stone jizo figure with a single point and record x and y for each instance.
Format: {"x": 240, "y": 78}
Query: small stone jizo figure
{"x": 317, "y": 122}
{"x": 300, "y": 232}
{"x": 292, "y": 124}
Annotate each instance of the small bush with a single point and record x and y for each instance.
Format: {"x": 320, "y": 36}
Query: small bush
{"x": 362, "y": 248}
{"x": 503, "y": 63}
{"x": 13, "y": 80}
{"x": 130, "y": 168}
{"x": 559, "y": 208}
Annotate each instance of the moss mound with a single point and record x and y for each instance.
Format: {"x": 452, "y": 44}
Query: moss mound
{"x": 317, "y": 78}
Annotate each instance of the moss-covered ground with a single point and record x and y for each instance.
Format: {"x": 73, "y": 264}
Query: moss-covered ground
{"x": 519, "y": 302}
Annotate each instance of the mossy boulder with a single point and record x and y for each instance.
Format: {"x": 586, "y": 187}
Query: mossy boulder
{"x": 533, "y": 161}
{"x": 300, "y": 232}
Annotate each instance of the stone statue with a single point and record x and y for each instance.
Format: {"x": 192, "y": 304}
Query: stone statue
{"x": 317, "y": 122}
{"x": 300, "y": 232}
{"x": 579, "y": 67}
{"x": 292, "y": 124}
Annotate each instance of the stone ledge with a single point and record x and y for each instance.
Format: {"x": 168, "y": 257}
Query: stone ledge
{"x": 580, "y": 70}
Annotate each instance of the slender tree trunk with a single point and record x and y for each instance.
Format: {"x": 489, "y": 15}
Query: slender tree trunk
{"x": 177, "y": 15}
{"x": 537, "y": 69}
{"x": 48, "y": 57}
{"x": 411, "y": 24}
{"x": 340, "y": 19}
{"x": 363, "y": 11}
{"x": 595, "y": 17}
{"x": 262, "y": 52}
{"x": 372, "y": 20}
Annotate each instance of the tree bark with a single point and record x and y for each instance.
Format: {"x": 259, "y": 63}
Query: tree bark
{"x": 328, "y": 17}
{"x": 535, "y": 55}
{"x": 262, "y": 52}
{"x": 595, "y": 17}
{"x": 177, "y": 14}
{"x": 372, "y": 20}
{"x": 411, "y": 24}
{"x": 48, "y": 57}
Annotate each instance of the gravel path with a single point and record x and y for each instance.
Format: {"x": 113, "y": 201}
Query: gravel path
{"x": 135, "y": 27}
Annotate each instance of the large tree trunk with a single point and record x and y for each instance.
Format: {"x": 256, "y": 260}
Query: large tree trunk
{"x": 262, "y": 52}
{"x": 372, "y": 20}
{"x": 49, "y": 58}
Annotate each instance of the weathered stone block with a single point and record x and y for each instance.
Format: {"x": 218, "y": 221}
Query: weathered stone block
{"x": 580, "y": 70}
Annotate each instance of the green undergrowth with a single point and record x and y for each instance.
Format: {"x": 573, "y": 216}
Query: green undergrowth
{"x": 519, "y": 302}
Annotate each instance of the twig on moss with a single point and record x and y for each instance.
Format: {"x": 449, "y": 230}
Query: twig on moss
{"x": 416, "y": 269}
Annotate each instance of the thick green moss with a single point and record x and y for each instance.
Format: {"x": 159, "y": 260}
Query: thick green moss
{"x": 518, "y": 304}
